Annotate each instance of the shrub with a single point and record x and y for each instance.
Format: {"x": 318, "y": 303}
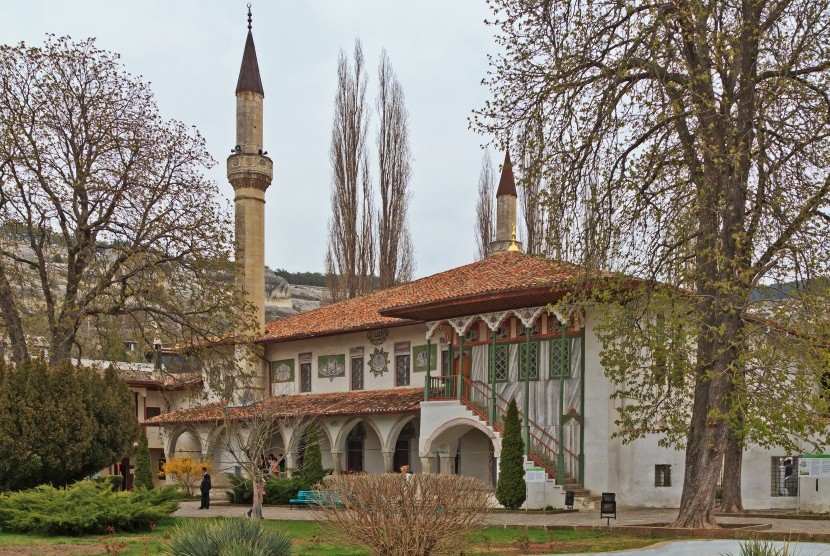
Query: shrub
{"x": 111, "y": 482}
{"x": 226, "y": 536}
{"x": 511, "y": 488}
{"x": 281, "y": 491}
{"x": 312, "y": 471}
{"x": 393, "y": 514}
{"x": 186, "y": 472}
{"x": 241, "y": 491}
{"x": 143, "y": 467}
{"x": 84, "y": 508}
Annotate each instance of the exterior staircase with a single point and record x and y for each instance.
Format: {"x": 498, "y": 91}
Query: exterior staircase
{"x": 544, "y": 450}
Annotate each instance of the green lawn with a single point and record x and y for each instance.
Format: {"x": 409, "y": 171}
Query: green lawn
{"x": 311, "y": 539}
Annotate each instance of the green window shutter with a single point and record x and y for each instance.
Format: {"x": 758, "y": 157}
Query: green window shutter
{"x": 502, "y": 363}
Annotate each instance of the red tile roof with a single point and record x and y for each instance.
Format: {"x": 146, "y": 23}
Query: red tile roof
{"x": 506, "y": 280}
{"x": 365, "y": 402}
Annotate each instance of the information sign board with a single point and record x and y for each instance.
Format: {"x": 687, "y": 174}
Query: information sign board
{"x": 535, "y": 475}
{"x": 814, "y": 465}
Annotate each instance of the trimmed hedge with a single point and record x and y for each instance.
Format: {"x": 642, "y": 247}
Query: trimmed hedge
{"x": 84, "y": 508}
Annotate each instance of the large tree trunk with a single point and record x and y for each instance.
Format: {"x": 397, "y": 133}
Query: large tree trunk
{"x": 11, "y": 317}
{"x": 733, "y": 458}
{"x": 704, "y": 457}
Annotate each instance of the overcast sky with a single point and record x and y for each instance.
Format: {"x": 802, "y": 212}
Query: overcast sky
{"x": 190, "y": 50}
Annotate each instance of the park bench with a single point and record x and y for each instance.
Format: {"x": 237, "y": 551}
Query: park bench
{"x": 308, "y": 498}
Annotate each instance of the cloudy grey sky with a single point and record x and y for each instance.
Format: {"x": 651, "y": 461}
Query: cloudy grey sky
{"x": 190, "y": 50}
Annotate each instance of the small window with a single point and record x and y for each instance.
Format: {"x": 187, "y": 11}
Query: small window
{"x": 662, "y": 475}
{"x": 504, "y": 330}
{"x": 784, "y": 476}
{"x": 150, "y": 412}
{"x": 471, "y": 335}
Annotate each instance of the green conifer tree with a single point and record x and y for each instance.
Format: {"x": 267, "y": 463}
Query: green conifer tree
{"x": 312, "y": 471}
{"x": 511, "y": 489}
{"x": 61, "y": 423}
{"x": 143, "y": 468}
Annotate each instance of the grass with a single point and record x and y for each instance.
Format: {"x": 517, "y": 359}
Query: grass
{"x": 311, "y": 539}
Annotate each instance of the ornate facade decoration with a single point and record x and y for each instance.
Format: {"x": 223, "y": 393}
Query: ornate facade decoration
{"x": 378, "y": 336}
{"x": 379, "y": 362}
{"x": 331, "y": 366}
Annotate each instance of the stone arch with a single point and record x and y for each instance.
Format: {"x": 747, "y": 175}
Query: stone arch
{"x": 467, "y": 423}
{"x": 173, "y": 442}
{"x": 340, "y": 443}
{"x": 394, "y": 433}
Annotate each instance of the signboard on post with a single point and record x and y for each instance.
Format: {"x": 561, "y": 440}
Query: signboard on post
{"x": 535, "y": 475}
{"x": 814, "y": 465}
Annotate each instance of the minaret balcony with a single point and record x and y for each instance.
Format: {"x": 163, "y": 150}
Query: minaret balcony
{"x": 250, "y": 170}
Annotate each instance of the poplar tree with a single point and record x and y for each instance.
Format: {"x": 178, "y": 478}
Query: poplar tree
{"x": 511, "y": 489}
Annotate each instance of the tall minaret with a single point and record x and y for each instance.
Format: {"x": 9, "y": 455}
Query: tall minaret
{"x": 505, "y": 211}
{"x": 250, "y": 173}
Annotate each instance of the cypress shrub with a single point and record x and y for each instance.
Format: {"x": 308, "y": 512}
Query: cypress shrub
{"x": 312, "y": 471}
{"x": 143, "y": 468}
{"x": 511, "y": 489}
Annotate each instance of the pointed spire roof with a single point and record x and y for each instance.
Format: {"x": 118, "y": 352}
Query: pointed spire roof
{"x": 249, "y": 79}
{"x": 507, "y": 184}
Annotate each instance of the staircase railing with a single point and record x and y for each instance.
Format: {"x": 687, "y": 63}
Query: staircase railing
{"x": 543, "y": 449}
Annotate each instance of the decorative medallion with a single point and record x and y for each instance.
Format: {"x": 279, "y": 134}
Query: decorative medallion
{"x": 282, "y": 370}
{"x": 377, "y": 336}
{"x": 331, "y": 366}
{"x": 379, "y": 362}
{"x": 419, "y": 354}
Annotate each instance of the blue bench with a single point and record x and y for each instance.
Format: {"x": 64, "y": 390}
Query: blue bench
{"x": 309, "y": 498}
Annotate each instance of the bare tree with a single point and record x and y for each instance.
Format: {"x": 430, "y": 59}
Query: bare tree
{"x": 104, "y": 207}
{"x": 350, "y": 258}
{"x": 690, "y": 140}
{"x": 396, "y": 514}
{"x": 395, "y": 171}
{"x": 536, "y": 212}
{"x": 251, "y": 434}
{"x": 485, "y": 207}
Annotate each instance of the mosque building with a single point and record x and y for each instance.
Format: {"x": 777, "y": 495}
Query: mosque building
{"x": 420, "y": 374}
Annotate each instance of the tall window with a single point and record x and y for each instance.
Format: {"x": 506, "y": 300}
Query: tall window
{"x": 560, "y": 358}
{"x": 501, "y": 363}
{"x": 402, "y": 364}
{"x": 357, "y": 373}
{"x": 305, "y": 377}
{"x": 402, "y": 370}
{"x": 529, "y": 360}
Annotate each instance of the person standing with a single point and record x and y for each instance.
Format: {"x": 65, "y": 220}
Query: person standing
{"x": 204, "y": 487}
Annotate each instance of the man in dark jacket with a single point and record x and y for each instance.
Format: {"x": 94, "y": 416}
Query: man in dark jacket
{"x": 205, "y": 488}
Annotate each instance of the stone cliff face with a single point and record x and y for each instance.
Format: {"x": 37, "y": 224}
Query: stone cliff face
{"x": 283, "y": 299}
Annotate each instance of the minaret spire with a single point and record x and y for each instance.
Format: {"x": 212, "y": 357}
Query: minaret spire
{"x": 249, "y": 79}
{"x": 506, "y": 211}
